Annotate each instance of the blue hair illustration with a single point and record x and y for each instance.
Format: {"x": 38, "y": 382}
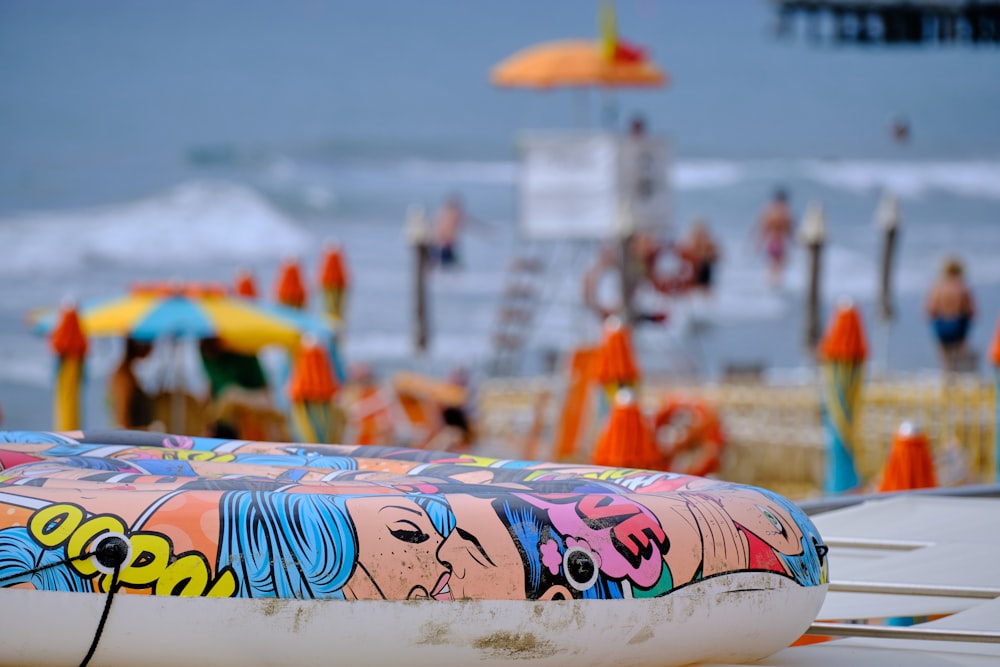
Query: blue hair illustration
{"x": 298, "y": 545}
{"x": 20, "y": 553}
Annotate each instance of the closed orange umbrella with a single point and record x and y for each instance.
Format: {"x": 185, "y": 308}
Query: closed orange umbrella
{"x": 334, "y": 281}
{"x": 290, "y": 289}
{"x": 617, "y": 366}
{"x": 842, "y": 354}
{"x": 995, "y": 346}
{"x": 995, "y": 358}
{"x": 70, "y": 346}
{"x": 909, "y": 465}
{"x": 311, "y": 388}
{"x": 246, "y": 286}
{"x": 627, "y": 441}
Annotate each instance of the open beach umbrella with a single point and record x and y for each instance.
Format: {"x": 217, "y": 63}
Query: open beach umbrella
{"x": 154, "y": 311}
{"x": 574, "y": 63}
{"x": 627, "y": 441}
{"x": 70, "y": 346}
{"x": 909, "y": 464}
{"x": 311, "y": 390}
{"x": 842, "y": 354}
{"x": 607, "y": 62}
{"x": 334, "y": 281}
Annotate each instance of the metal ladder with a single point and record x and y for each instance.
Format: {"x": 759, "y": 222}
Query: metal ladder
{"x": 517, "y": 311}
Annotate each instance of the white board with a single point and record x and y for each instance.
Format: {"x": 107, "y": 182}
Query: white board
{"x": 576, "y": 185}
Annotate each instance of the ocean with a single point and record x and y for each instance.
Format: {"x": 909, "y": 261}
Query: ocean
{"x": 162, "y": 140}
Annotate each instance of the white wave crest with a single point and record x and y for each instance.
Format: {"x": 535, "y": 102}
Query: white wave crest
{"x": 703, "y": 174}
{"x": 911, "y": 179}
{"x": 466, "y": 171}
{"x": 190, "y": 224}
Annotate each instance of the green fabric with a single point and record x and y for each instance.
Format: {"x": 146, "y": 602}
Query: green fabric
{"x": 227, "y": 369}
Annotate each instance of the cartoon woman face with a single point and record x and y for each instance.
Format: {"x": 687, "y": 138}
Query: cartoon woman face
{"x": 763, "y": 517}
{"x": 397, "y": 551}
{"x": 485, "y": 562}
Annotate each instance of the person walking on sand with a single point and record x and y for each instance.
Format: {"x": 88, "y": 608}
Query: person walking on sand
{"x": 951, "y": 308}
{"x": 774, "y": 233}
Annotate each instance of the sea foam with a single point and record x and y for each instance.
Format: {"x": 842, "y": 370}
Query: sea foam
{"x": 194, "y": 223}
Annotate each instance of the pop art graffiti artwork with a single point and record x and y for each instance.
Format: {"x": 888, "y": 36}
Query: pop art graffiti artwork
{"x": 217, "y": 518}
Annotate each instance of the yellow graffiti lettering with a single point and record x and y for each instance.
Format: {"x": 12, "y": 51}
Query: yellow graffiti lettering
{"x": 85, "y": 534}
{"x": 194, "y": 455}
{"x": 150, "y": 557}
{"x": 150, "y": 565}
{"x": 224, "y": 586}
{"x": 477, "y": 461}
{"x": 53, "y": 525}
{"x": 188, "y": 573}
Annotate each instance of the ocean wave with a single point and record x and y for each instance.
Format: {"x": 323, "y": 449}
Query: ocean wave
{"x": 704, "y": 174}
{"x": 976, "y": 178}
{"x": 194, "y": 223}
{"x": 461, "y": 171}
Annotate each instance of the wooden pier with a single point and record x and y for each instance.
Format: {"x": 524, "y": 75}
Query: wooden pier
{"x": 891, "y": 22}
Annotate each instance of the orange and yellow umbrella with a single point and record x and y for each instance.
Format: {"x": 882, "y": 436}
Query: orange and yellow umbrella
{"x": 606, "y": 62}
{"x": 574, "y": 63}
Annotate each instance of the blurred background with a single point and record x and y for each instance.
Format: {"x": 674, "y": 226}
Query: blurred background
{"x": 162, "y": 140}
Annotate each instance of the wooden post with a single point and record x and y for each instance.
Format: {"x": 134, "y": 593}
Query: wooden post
{"x": 812, "y": 234}
{"x": 418, "y": 233}
{"x": 887, "y": 219}
{"x": 626, "y": 262}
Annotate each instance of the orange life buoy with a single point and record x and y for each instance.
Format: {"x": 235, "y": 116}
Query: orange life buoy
{"x": 690, "y": 437}
{"x": 671, "y": 280}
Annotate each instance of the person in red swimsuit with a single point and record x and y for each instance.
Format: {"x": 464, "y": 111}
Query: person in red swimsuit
{"x": 774, "y": 232}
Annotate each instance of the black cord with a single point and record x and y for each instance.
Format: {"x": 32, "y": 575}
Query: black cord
{"x": 104, "y": 616}
{"x": 110, "y": 551}
{"x": 41, "y": 568}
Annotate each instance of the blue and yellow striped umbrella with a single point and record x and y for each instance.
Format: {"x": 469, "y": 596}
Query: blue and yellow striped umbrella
{"x": 151, "y": 312}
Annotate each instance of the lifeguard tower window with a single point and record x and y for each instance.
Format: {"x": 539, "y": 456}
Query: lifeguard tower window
{"x": 592, "y": 185}
{"x": 891, "y": 22}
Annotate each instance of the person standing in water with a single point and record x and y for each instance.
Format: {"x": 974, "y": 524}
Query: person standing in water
{"x": 701, "y": 251}
{"x": 951, "y": 308}
{"x": 451, "y": 221}
{"x": 774, "y": 233}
